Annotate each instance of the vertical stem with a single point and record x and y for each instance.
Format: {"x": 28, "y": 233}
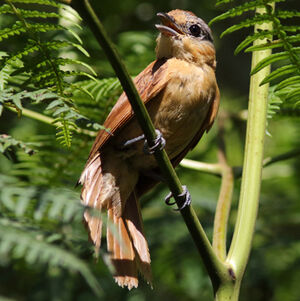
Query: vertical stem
{"x": 251, "y": 178}
{"x": 225, "y": 197}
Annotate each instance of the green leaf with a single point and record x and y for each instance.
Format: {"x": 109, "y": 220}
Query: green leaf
{"x": 251, "y": 38}
{"x": 18, "y": 243}
{"x": 258, "y": 19}
{"x": 273, "y": 58}
{"x": 42, "y": 2}
{"x": 278, "y": 73}
{"x": 285, "y": 14}
{"x": 288, "y": 82}
{"x": 16, "y": 29}
{"x": 239, "y": 10}
{"x": 275, "y": 44}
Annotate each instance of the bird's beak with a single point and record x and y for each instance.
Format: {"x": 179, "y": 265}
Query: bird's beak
{"x": 168, "y": 26}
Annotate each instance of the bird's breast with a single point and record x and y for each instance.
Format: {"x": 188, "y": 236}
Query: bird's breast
{"x": 184, "y": 104}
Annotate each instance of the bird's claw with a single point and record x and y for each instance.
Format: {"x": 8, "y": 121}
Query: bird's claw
{"x": 158, "y": 143}
{"x": 185, "y": 197}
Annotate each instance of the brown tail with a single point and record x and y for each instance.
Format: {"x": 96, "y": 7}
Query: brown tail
{"x": 130, "y": 253}
{"x": 126, "y": 243}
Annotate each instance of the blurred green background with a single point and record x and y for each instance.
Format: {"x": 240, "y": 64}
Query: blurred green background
{"x": 178, "y": 273}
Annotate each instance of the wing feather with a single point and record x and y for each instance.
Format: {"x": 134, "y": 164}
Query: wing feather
{"x": 148, "y": 83}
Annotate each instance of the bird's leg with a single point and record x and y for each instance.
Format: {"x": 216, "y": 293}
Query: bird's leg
{"x": 158, "y": 143}
{"x": 132, "y": 141}
{"x": 185, "y": 199}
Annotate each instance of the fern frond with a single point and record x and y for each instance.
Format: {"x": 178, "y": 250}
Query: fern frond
{"x": 41, "y": 2}
{"x": 273, "y": 58}
{"x": 18, "y": 243}
{"x": 286, "y": 14}
{"x": 257, "y": 19}
{"x": 240, "y": 9}
{"x": 37, "y": 202}
{"x": 288, "y": 82}
{"x": 65, "y": 129}
{"x": 284, "y": 39}
{"x": 251, "y": 38}
{"x": 274, "y": 103}
{"x": 4, "y": 76}
{"x": 105, "y": 93}
{"x": 16, "y": 29}
{"x": 8, "y": 142}
{"x": 274, "y": 44}
{"x": 26, "y": 13}
{"x": 282, "y": 71}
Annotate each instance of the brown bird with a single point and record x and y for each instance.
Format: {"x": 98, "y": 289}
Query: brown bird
{"x": 181, "y": 95}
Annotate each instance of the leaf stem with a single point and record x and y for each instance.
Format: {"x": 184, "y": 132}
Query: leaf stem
{"x": 251, "y": 178}
{"x": 211, "y": 168}
{"x": 48, "y": 120}
{"x": 216, "y": 269}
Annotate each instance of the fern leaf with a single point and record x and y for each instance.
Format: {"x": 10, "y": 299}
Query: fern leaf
{"x": 7, "y": 142}
{"x": 26, "y": 13}
{"x": 16, "y": 29}
{"x": 240, "y": 9}
{"x": 65, "y": 61}
{"x": 257, "y": 19}
{"x": 286, "y": 14}
{"x": 4, "y": 76}
{"x": 16, "y": 243}
{"x": 273, "y": 58}
{"x": 274, "y": 44}
{"x": 279, "y": 72}
{"x": 65, "y": 129}
{"x": 288, "y": 82}
{"x": 77, "y": 73}
{"x": 250, "y": 38}
{"x": 274, "y": 103}
{"x": 294, "y": 95}
{"x": 41, "y": 2}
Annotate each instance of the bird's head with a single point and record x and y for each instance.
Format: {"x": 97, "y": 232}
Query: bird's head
{"x": 185, "y": 36}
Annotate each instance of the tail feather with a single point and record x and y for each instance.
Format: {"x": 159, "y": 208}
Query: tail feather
{"x": 122, "y": 253}
{"x": 126, "y": 242}
{"x": 90, "y": 195}
{"x": 134, "y": 222}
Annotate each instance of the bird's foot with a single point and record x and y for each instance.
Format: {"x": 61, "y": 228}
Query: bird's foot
{"x": 185, "y": 199}
{"x": 158, "y": 143}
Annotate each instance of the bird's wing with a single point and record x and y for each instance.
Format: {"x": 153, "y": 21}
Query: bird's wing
{"x": 148, "y": 83}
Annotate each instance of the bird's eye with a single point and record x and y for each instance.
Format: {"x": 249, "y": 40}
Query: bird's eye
{"x": 195, "y": 30}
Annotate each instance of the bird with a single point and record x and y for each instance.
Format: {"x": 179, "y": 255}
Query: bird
{"x": 180, "y": 92}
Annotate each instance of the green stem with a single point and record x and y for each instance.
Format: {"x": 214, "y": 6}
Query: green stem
{"x": 285, "y": 156}
{"x": 215, "y": 268}
{"x": 251, "y": 178}
{"x": 48, "y": 120}
{"x": 211, "y": 168}
{"x": 225, "y": 197}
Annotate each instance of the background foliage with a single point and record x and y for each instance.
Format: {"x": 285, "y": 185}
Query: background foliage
{"x": 44, "y": 250}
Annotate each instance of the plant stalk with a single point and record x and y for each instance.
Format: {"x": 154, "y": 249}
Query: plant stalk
{"x": 253, "y": 161}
